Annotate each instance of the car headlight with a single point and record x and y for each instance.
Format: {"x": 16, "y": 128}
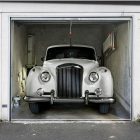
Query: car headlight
{"x": 45, "y": 76}
{"x": 93, "y": 77}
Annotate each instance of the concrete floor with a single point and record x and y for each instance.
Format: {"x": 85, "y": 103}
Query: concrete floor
{"x": 70, "y": 131}
{"x": 70, "y": 112}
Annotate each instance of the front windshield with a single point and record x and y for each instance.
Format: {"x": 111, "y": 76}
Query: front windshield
{"x": 71, "y": 52}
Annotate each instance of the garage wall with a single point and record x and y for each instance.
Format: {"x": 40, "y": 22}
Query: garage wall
{"x": 52, "y": 34}
{"x": 19, "y": 59}
{"x": 119, "y": 64}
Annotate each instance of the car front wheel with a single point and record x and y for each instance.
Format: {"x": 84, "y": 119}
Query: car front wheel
{"x": 104, "y": 108}
{"x": 34, "y": 107}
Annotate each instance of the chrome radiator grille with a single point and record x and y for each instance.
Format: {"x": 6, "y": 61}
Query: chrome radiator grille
{"x": 69, "y": 81}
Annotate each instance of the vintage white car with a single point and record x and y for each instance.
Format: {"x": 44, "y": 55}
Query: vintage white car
{"x": 69, "y": 74}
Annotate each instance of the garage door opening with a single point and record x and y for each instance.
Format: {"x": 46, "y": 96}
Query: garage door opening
{"x": 112, "y": 42}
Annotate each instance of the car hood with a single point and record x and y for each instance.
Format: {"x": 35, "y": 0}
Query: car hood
{"x": 51, "y": 65}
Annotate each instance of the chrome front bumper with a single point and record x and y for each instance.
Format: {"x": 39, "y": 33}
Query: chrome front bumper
{"x": 102, "y": 100}
{"x": 58, "y": 100}
{"x": 36, "y": 99}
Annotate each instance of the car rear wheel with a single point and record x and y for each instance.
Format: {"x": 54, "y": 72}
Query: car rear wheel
{"x": 34, "y": 107}
{"x": 104, "y": 108}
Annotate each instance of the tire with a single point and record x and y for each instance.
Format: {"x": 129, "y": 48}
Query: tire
{"x": 104, "y": 108}
{"x": 34, "y": 108}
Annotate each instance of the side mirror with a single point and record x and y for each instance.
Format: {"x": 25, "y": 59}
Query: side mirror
{"x": 42, "y": 59}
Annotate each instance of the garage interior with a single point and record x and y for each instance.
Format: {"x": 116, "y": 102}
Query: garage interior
{"x": 29, "y": 41}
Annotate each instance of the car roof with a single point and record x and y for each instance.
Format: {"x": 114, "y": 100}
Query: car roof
{"x": 68, "y": 45}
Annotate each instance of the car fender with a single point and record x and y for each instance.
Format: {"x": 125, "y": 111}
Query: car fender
{"x": 32, "y": 81}
{"x": 106, "y": 81}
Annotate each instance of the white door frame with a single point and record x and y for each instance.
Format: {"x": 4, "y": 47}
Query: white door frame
{"x": 5, "y": 48}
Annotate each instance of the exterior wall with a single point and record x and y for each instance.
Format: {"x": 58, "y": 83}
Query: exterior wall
{"x": 66, "y": 10}
{"x": 136, "y": 68}
{"x": 119, "y": 64}
{"x": 52, "y": 34}
{"x": 5, "y": 69}
{"x": 0, "y": 68}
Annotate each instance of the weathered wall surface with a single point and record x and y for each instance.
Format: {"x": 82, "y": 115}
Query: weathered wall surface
{"x": 119, "y": 64}
{"x": 19, "y": 60}
{"x": 53, "y": 34}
